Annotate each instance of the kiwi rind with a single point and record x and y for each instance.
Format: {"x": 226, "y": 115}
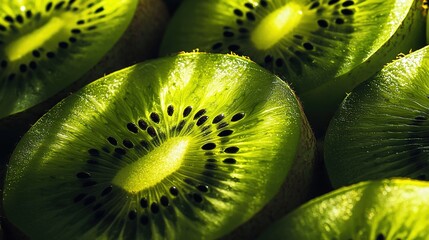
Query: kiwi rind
{"x": 379, "y": 130}
{"x": 383, "y": 209}
{"x": 34, "y": 75}
{"x": 92, "y": 107}
{"x": 330, "y": 67}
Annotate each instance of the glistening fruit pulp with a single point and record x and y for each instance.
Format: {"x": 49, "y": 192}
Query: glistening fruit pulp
{"x": 207, "y": 131}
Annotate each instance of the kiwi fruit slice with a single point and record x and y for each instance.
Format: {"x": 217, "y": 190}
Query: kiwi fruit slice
{"x": 381, "y": 128}
{"x": 48, "y": 44}
{"x": 315, "y": 45}
{"x": 383, "y": 209}
{"x": 187, "y": 146}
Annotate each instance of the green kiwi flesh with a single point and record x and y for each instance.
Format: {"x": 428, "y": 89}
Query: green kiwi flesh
{"x": 381, "y": 128}
{"x": 188, "y": 146}
{"x": 46, "y": 45}
{"x": 384, "y": 209}
{"x": 313, "y": 45}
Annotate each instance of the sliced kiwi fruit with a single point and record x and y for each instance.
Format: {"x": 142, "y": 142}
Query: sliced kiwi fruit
{"x": 315, "y": 45}
{"x": 381, "y": 128}
{"x": 45, "y": 45}
{"x": 384, "y": 209}
{"x": 187, "y": 146}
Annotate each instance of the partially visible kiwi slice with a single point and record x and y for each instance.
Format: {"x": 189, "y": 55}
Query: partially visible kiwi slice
{"x": 387, "y": 209}
{"x": 315, "y": 45}
{"x": 47, "y": 44}
{"x": 189, "y": 146}
{"x": 381, "y": 129}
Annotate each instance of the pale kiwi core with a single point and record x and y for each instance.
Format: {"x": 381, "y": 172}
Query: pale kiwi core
{"x": 28, "y": 42}
{"x": 151, "y": 168}
{"x": 276, "y": 25}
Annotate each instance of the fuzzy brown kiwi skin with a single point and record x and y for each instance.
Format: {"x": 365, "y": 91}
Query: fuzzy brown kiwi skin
{"x": 139, "y": 42}
{"x": 306, "y": 180}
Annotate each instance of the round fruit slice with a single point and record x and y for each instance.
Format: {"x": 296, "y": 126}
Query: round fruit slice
{"x": 186, "y": 146}
{"x": 46, "y": 45}
{"x": 387, "y": 209}
{"x": 381, "y": 129}
{"x": 316, "y": 45}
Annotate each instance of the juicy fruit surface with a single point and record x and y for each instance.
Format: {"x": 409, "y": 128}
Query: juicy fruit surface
{"x": 46, "y": 45}
{"x": 213, "y": 137}
{"x": 387, "y": 209}
{"x": 381, "y": 128}
{"x": 309, "y": 43}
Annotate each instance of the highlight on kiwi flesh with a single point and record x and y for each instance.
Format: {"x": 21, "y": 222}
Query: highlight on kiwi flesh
{"x": 187, "y": 146}
{"x": 45, "y": 45}
{"x": 383, "y": 209}
{"x": 381, "y": 128}
{"x": 315, "y": 45}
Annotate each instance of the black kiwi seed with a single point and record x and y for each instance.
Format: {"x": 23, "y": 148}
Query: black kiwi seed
{"x": 155, "y": 117}
{"x": 228, "y": 34}
{"x": 83, "y": 175}
{"x": 264, "y": 3}
{"x": 127, "y": 143}
{"x": 348, "y": 3}
{"x": 154, "y": 208}
{"x": 3, "y": 64}
{"x": 314, "y": 5}
{"x": 217, "y": 46}
{"x": 48, "y": 6}
{"x": 238, "y": 12}
{"x": 249, "y": 5}
{"x": 170, "y": 110}
{"x": 339, "y": 21}
{"x": 28, "y": 14}
{"x": 268, "y": 59}
{"x": 322, "y": 23}
{"x": 174, "y": 191}
{"x": 9, "y": 19}
{"x": 151, "y": 131}
{"x": 203, "y": 188}
{"x": 202, "y": 120}
{"x": 120, "y": 151}
{"x": 347, "y": 12}
{"x": 50, "y": 55}
{"x": 132, "y": 127}
{"x": 233, "y": 47}
{"x": 229, "y": 161}
{"x": 144, "y": 203}
{"x": 231, "y": 149}
{"x": 144, "y": 144}
{"x": 279, "y": 62}
{"x": 211, "y": 166}
{"x": 59, "y": 5}
{"x": 222, "y": 125}
{"x": 19, "y": 19}
{"x": 187, "y": 111}
{"x": 36, "y": 53}
{"x": 380, "y": 236}
{"x": 132, "y": 214}
{"x": 63, "y": 45}
{"x": 143, "y": 125}
{"x": 2, "y": 28}
{"x": 22, "y": 68}
{"x": 308, "y": 46}
{"x": 164, "y": 201}
{"x": 250, "y": 16}
{"x": 237, "y": 117}
{"x": 11, "y": 76}
{"x": 218, "y": 118}
{"x": 33, "y": 65}
{"x": 93, "y": 152}
{"x": 208, "y": 146}
{"x": 199, "y": 113}
{"x": 112, "y": 141}
{"x": 99, "y": 10}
